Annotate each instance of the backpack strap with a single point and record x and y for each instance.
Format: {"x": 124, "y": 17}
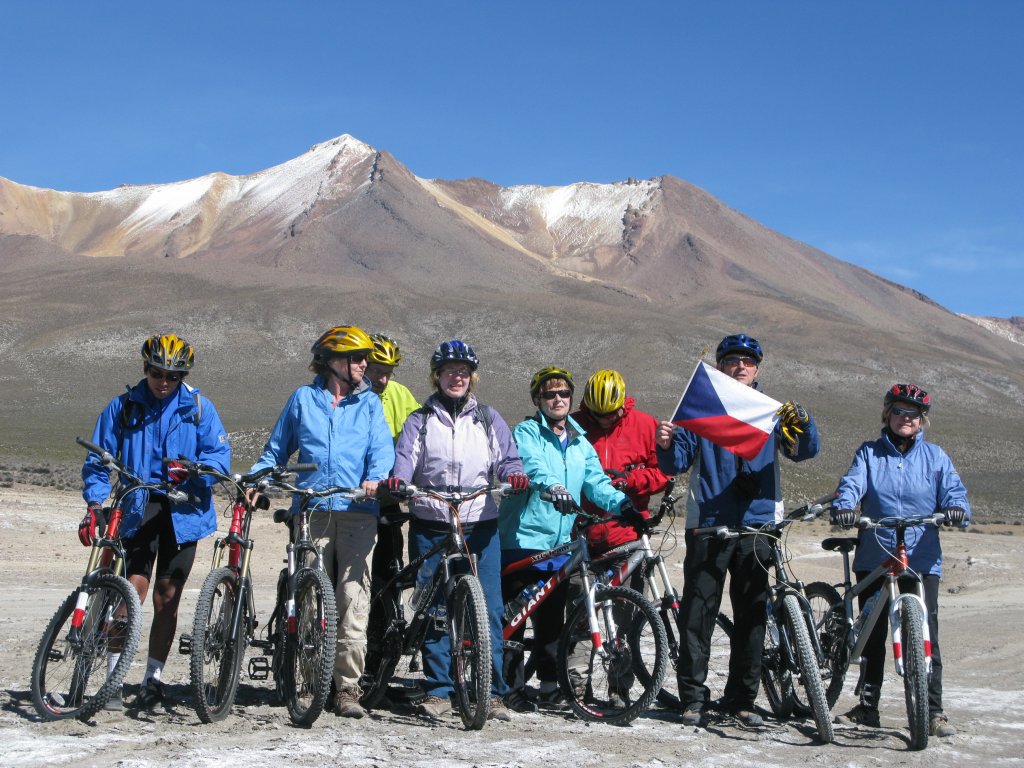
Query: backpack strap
{"x": 132, "y": 415}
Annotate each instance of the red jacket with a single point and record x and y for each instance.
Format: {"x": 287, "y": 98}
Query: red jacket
{"x": 628, "y": 447}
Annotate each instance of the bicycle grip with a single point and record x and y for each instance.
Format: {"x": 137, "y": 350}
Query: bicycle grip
{"x": 91, "y": 446}
{"x": 310, "y": 467}
{"x": 718, "y": 531}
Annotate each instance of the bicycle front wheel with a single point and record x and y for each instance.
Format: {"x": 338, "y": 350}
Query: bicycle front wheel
{"x": 69, "y": 673}
{"x": 309, "y": 651}
{"x": 470, "y": 637}
{"x": 829, "y": 619}
{"x": 915, "y": 672}
{"x": 597, "y": 671}
{"x": 808, "y": 673}
{"x": 216, "y": 658}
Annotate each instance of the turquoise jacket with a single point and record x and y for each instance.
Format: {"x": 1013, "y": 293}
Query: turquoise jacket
{"x": 527, "y": 522}
{"x": 193, "y": 432}
{"x": 350, "y": 442}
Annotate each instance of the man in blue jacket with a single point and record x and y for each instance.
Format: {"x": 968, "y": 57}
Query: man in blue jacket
{"x": 728, "y": 490}
{"x": 159, "y": 418}
{"x": 337, "y": 422}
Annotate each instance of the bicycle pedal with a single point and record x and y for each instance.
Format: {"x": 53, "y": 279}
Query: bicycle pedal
{"x": 259, "y": 668}
{"x": 263, "y": 645}
{"x": 185, "y": 645}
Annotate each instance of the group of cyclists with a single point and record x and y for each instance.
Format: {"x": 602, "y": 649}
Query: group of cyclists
{"x": 363, "y": 429}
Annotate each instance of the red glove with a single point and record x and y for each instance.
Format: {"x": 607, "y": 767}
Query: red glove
{"x": 177, "y": 472}
{"x": 620, "y": 480}
{"x": 92, "y": 525}
{"x": 395, "y": 486}
{"x": 520, "y": 482}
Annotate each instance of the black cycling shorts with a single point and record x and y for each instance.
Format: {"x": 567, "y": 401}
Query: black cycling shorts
{"x": 154, "y": 542}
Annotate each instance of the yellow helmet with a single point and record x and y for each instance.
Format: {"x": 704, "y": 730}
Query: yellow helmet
{"x": 551, "y": 372}
{"x": 605, "y": 392}
{"x": 342, "y": 340}
{"x": 385, "y": 350}
{"x": 168, "y": 352}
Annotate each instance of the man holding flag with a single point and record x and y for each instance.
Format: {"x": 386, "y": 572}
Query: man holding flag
{"x": 732, "y": 432}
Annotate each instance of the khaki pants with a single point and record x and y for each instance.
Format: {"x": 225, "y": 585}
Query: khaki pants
{"x": 348, "y": 539}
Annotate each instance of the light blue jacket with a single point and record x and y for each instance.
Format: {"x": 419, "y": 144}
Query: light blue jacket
{"x": 887, "y": 483}
{"x": 350, "y": 442}
{"x": 526, "y": 522}
{"x": 205, "y": 442}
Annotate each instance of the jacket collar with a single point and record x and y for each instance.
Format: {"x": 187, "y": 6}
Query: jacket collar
{"x": 572, "y": 427}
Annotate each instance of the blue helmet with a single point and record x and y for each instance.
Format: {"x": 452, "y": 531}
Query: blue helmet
{"x": 453, "y": 351}
{"x": 739, "y": 343}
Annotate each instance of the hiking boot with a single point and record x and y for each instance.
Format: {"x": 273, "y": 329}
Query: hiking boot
{"x": 693, "y": 715}
{"x": 748, "y": 717}
{"x": 862, "y": 714}
{"x": 940, "y": 726}
{"x": 498, "y": 710}
{"x": 346, "y": 704}
{"x": 518, "y": 702}
{"x": 116, "y": 702}
{"x": 618, "y": 700}
{"x": 435, "y": 707}
{"x": 552, "y": 699}
{"x": 151, "y": 697}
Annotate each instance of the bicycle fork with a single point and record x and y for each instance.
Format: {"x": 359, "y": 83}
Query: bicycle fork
{"x": 896, "y": 626}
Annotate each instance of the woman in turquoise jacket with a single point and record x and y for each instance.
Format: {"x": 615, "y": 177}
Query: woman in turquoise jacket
{"x": 564, "y": 466}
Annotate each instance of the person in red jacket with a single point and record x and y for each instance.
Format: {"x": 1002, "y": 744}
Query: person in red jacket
{"x": 623, "y": 437}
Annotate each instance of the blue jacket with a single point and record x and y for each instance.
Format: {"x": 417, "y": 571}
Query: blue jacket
{"x": 888, "y": 483}
{"x": 349, "y": 443}
{"x": 526, "y": 522}
{"x": 728, "y": 490}
{"x": 205, "y": 442}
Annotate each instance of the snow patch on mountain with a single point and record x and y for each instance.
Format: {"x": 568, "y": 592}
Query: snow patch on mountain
{"x": 583, "y": 215}
{"x": 1000, "y": 327}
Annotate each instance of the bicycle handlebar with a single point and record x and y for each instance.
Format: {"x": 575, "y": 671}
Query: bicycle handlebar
{"x": 455, "y": 495}
{"x": 867, "y": 523}
{"x": 812, "y": 509}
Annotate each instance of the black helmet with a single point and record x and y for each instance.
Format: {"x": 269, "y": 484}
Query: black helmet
{"x": 739, "y": 342}
{"x": 908, "y": 393}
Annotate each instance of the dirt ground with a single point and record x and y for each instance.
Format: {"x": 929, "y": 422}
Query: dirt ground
{"x": 41, "y": 561}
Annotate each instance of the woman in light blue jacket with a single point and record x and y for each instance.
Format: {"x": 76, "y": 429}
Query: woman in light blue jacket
{"x": 338, "y": 423}
{"x": 901, "y": 475}
{"x": 562, "y": 464}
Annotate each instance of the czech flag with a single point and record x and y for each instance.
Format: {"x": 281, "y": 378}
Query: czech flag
{"x": 729, "y": 414}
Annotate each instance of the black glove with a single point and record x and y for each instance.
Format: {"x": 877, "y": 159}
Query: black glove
{"x": 562, "y": 499}
{"x": 395, "y": 486}
{"x": 92, "y": 525}
{"x": 955, "y": 516}
{"x": 620, "y": 480}
{"x": 844, "y": 518}
{"x": 792, "y": 418}
{"x": 519, "y": 481}
{"x": 630, "y": 515}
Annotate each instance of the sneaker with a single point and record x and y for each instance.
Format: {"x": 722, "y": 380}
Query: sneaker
{"x": 862, "y": 714}
{"x": 346, "y": 704}
{"x": 693, "y": 715}
{"x": 518, "y": 702}
{"x": 940, "y": 726}
{"x": 498, "y": 710}
{"x": 151, "y": 697}
{"x": 116, "y": 702}
{"x": 748, "y": 717}
{"x": 435, "y": 707}
{"x": 618, "y": 700}
{"x": 552, "y": 699}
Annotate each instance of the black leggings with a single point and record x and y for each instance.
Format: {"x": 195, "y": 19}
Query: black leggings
{"x": 155, "y": 542}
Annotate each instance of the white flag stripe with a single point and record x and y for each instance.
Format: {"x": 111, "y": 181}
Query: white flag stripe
{"x": 743, "y": 402}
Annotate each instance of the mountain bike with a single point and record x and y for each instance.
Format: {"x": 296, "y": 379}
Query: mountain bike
{"x": 462, "y": 612}
{"x": 637, "y": 565}
{"x": 224, "y": 624}
{"x": 98, "y": 623}
{"x": 792, "y": 654}
{"x": 304, "y": 625}
{"x": 613, "y": 651}
{"x": 844, "y": 632}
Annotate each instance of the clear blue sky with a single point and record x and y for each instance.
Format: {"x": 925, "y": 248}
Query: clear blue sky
{"x": 889, "y": 134}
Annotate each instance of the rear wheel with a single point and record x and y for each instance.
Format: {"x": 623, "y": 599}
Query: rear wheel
{"x": 309, "y": 651}
{"x": 597, "y": 671}
{"x": 470, "y": 637}
{"x": 808, "y": 672}
{"x": 386, "y": 653}
{"x": 69, "y": 672}
{"x": 915, "y": 672}
{"x": 216, "y": 659}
